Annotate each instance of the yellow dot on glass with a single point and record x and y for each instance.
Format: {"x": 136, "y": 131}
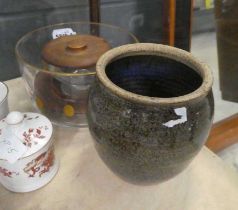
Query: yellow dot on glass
{"x": 39, "y": 103}
{"x": 68, "y": 110}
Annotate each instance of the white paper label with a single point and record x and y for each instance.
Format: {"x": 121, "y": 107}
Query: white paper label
{"x": 11, "y": 149}
{"x": 182, "y": 113}
{"x": 62, "y": 32}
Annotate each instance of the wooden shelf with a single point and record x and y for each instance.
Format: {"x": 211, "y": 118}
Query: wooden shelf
{"x": 223, "y": 134}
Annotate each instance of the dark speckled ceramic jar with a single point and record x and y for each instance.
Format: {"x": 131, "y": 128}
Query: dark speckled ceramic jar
{"x": 150, "y": 111}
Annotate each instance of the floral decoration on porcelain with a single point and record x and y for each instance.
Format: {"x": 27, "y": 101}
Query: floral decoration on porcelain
{"x": 7, "y": 173}
{"x": 41, "y": 164}
{"x": 36, "y": 133}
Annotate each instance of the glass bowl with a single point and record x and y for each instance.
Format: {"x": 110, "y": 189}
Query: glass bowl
{"x": 62, "y": 94}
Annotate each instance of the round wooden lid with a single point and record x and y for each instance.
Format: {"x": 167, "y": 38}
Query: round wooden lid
{"x": 80, "y": 51}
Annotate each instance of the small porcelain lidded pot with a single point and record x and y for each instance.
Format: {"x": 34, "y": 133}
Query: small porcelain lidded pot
{"x": 27, "y": 160}
{"x": 3, "y": 100}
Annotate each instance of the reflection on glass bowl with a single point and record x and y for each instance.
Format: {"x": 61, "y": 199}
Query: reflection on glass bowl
{"x": 61, "y": 92}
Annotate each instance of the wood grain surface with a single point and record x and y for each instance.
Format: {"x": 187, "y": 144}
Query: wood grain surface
{"x": 223, "y": 134}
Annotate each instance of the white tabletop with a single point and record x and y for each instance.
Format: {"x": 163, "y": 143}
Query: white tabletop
{"x": 84, "y": 182}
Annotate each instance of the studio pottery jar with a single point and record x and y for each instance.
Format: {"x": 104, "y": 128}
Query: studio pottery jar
{"x": 27, "y": 160}
{"x": 150, "y": 111}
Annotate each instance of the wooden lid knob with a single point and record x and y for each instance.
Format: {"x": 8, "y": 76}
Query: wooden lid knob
{"x": 76, "y": 45}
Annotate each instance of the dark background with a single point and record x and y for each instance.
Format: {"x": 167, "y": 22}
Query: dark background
{"x": 141, "y": 17}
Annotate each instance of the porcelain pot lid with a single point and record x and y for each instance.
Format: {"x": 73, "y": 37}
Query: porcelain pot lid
{"x": 80, "y": 51}
{"x": 23, "y": 134}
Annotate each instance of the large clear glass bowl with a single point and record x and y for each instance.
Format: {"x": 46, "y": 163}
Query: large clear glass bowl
{"x": 62, "y": 96}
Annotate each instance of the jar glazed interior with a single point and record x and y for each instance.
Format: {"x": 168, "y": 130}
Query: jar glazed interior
{"x": 176, "y": 68}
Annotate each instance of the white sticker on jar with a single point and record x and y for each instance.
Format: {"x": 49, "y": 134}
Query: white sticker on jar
{"x": 182, "y": 113}
{"x": 62, "y": 32}
{"x": 11, "y": 149}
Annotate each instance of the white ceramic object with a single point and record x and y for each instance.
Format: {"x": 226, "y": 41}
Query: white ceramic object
{"x": 27, "y": 160}
{"x": 3, "y": 100}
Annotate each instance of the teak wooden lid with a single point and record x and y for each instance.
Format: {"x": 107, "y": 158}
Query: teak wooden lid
{"x": 80, "y": 51}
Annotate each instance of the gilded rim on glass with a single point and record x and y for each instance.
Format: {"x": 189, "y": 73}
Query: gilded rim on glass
{"x": 18, "y": 54}
{"x": 158, "y": 50}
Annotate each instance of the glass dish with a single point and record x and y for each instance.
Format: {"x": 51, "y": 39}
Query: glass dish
{"x": 62, "y": 95}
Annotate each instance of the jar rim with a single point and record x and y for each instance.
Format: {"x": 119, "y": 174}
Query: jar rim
{"x": 160, "y": 50}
